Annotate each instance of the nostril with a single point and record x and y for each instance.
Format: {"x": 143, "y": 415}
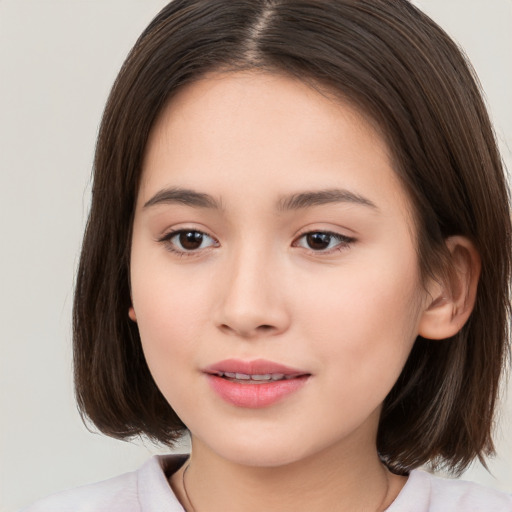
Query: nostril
{"x": 225, "y": 327}
{"x": 261, "y": 329}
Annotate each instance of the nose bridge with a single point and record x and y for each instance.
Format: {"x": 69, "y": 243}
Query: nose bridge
{"x": 252, "y": 301}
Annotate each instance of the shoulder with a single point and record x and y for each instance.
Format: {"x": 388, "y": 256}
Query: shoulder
{"x": 119, "y": 493}
{"x": 144, "y": 489}
{"x": 467, "y": 496}
{"x": 429, "y": 493}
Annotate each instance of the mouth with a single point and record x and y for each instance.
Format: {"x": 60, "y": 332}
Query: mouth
{"x": 244, "y": 378}
{"x": 256, "y": 371}
{"x": 254, "y": 384}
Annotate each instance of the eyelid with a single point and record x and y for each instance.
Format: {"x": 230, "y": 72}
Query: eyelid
{"x": 166, "y": 238}
{"x": 344, "y": 241}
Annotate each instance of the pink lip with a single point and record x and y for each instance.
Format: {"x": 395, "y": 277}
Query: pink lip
{"x": 254, "y": 394}
{"x": 256, "y": 367}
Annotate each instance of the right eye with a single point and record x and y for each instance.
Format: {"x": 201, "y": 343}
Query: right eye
{"x": 185, "y": 241}
{"x": 323, "y": 241}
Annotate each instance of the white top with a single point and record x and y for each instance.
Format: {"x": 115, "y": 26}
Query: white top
{"x": 148, "y": 490}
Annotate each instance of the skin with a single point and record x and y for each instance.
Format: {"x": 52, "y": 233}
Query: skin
{"x": 348, "y": 315}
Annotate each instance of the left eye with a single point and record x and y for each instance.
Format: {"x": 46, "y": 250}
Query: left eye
{"x": 188, "y": 240}
{"x": 323, "y": 241}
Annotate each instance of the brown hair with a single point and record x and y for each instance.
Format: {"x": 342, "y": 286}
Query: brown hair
{"x": 400, "y": 69}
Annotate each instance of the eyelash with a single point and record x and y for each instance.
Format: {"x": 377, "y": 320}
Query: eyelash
{"x": 170, "y": 246}
{"x": 344, "y": 242}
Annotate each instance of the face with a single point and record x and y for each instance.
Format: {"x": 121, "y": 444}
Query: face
{"x": 274, "y": 274}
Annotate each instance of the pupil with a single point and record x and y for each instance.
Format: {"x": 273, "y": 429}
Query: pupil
{"x": 191, "y": 240}
{"x": 318, "y": 240}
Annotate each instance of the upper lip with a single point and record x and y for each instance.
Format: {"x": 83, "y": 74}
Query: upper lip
{"x": 255, "y": 367}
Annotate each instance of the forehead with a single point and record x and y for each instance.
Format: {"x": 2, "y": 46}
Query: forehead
{"x": 246, "y": 102}
{"x": 254, "y": 128}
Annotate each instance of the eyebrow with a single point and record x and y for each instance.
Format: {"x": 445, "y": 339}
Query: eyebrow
{"x": 183, "y": 196}
{"x": 298, "y": 201}
{"x": 321, "y": 197}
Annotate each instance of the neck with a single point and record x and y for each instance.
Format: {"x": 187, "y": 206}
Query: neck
{"x": 326, "y": 481}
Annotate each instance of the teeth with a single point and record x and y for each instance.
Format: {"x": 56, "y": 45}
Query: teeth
{"x": 261, "y": 377}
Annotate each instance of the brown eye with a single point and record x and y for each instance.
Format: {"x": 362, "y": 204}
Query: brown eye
{"x": 185, "y": 241}
{"x": 318, "y": 241}
{"x": 323, "y": 241}
{"x": 190, "y": 240}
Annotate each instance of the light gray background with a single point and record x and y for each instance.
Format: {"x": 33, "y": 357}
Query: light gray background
{"x": 58, "y": 59}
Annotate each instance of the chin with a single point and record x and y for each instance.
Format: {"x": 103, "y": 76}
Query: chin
{"x": 260, "y": 450}
{"x": 261, "y": 458}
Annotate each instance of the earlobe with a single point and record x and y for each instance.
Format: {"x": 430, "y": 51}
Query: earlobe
{"x": 131, "y": 314}
{"x": 453, "y": 297}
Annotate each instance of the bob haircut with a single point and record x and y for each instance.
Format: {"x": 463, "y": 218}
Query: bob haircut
{"x": 402, "y": 72}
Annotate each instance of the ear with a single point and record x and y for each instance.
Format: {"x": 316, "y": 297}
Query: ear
{"x": 131, "y": 314}
{"x": 452, "y": 298}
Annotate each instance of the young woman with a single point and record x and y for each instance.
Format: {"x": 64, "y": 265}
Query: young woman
{"x": 298, "y": 251}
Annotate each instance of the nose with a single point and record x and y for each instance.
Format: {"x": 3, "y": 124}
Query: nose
{"x": 252, "y": 296}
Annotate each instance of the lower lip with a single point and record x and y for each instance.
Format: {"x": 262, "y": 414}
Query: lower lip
{"x": 255, "y": 395}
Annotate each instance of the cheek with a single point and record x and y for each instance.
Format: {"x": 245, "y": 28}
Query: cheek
{"x": 366, "y": 319}
{"x": 169, "y": 318}
{"x": 170, "y": 313}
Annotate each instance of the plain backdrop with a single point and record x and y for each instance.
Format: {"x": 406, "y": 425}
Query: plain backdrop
{"x": 58, "y": 59}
